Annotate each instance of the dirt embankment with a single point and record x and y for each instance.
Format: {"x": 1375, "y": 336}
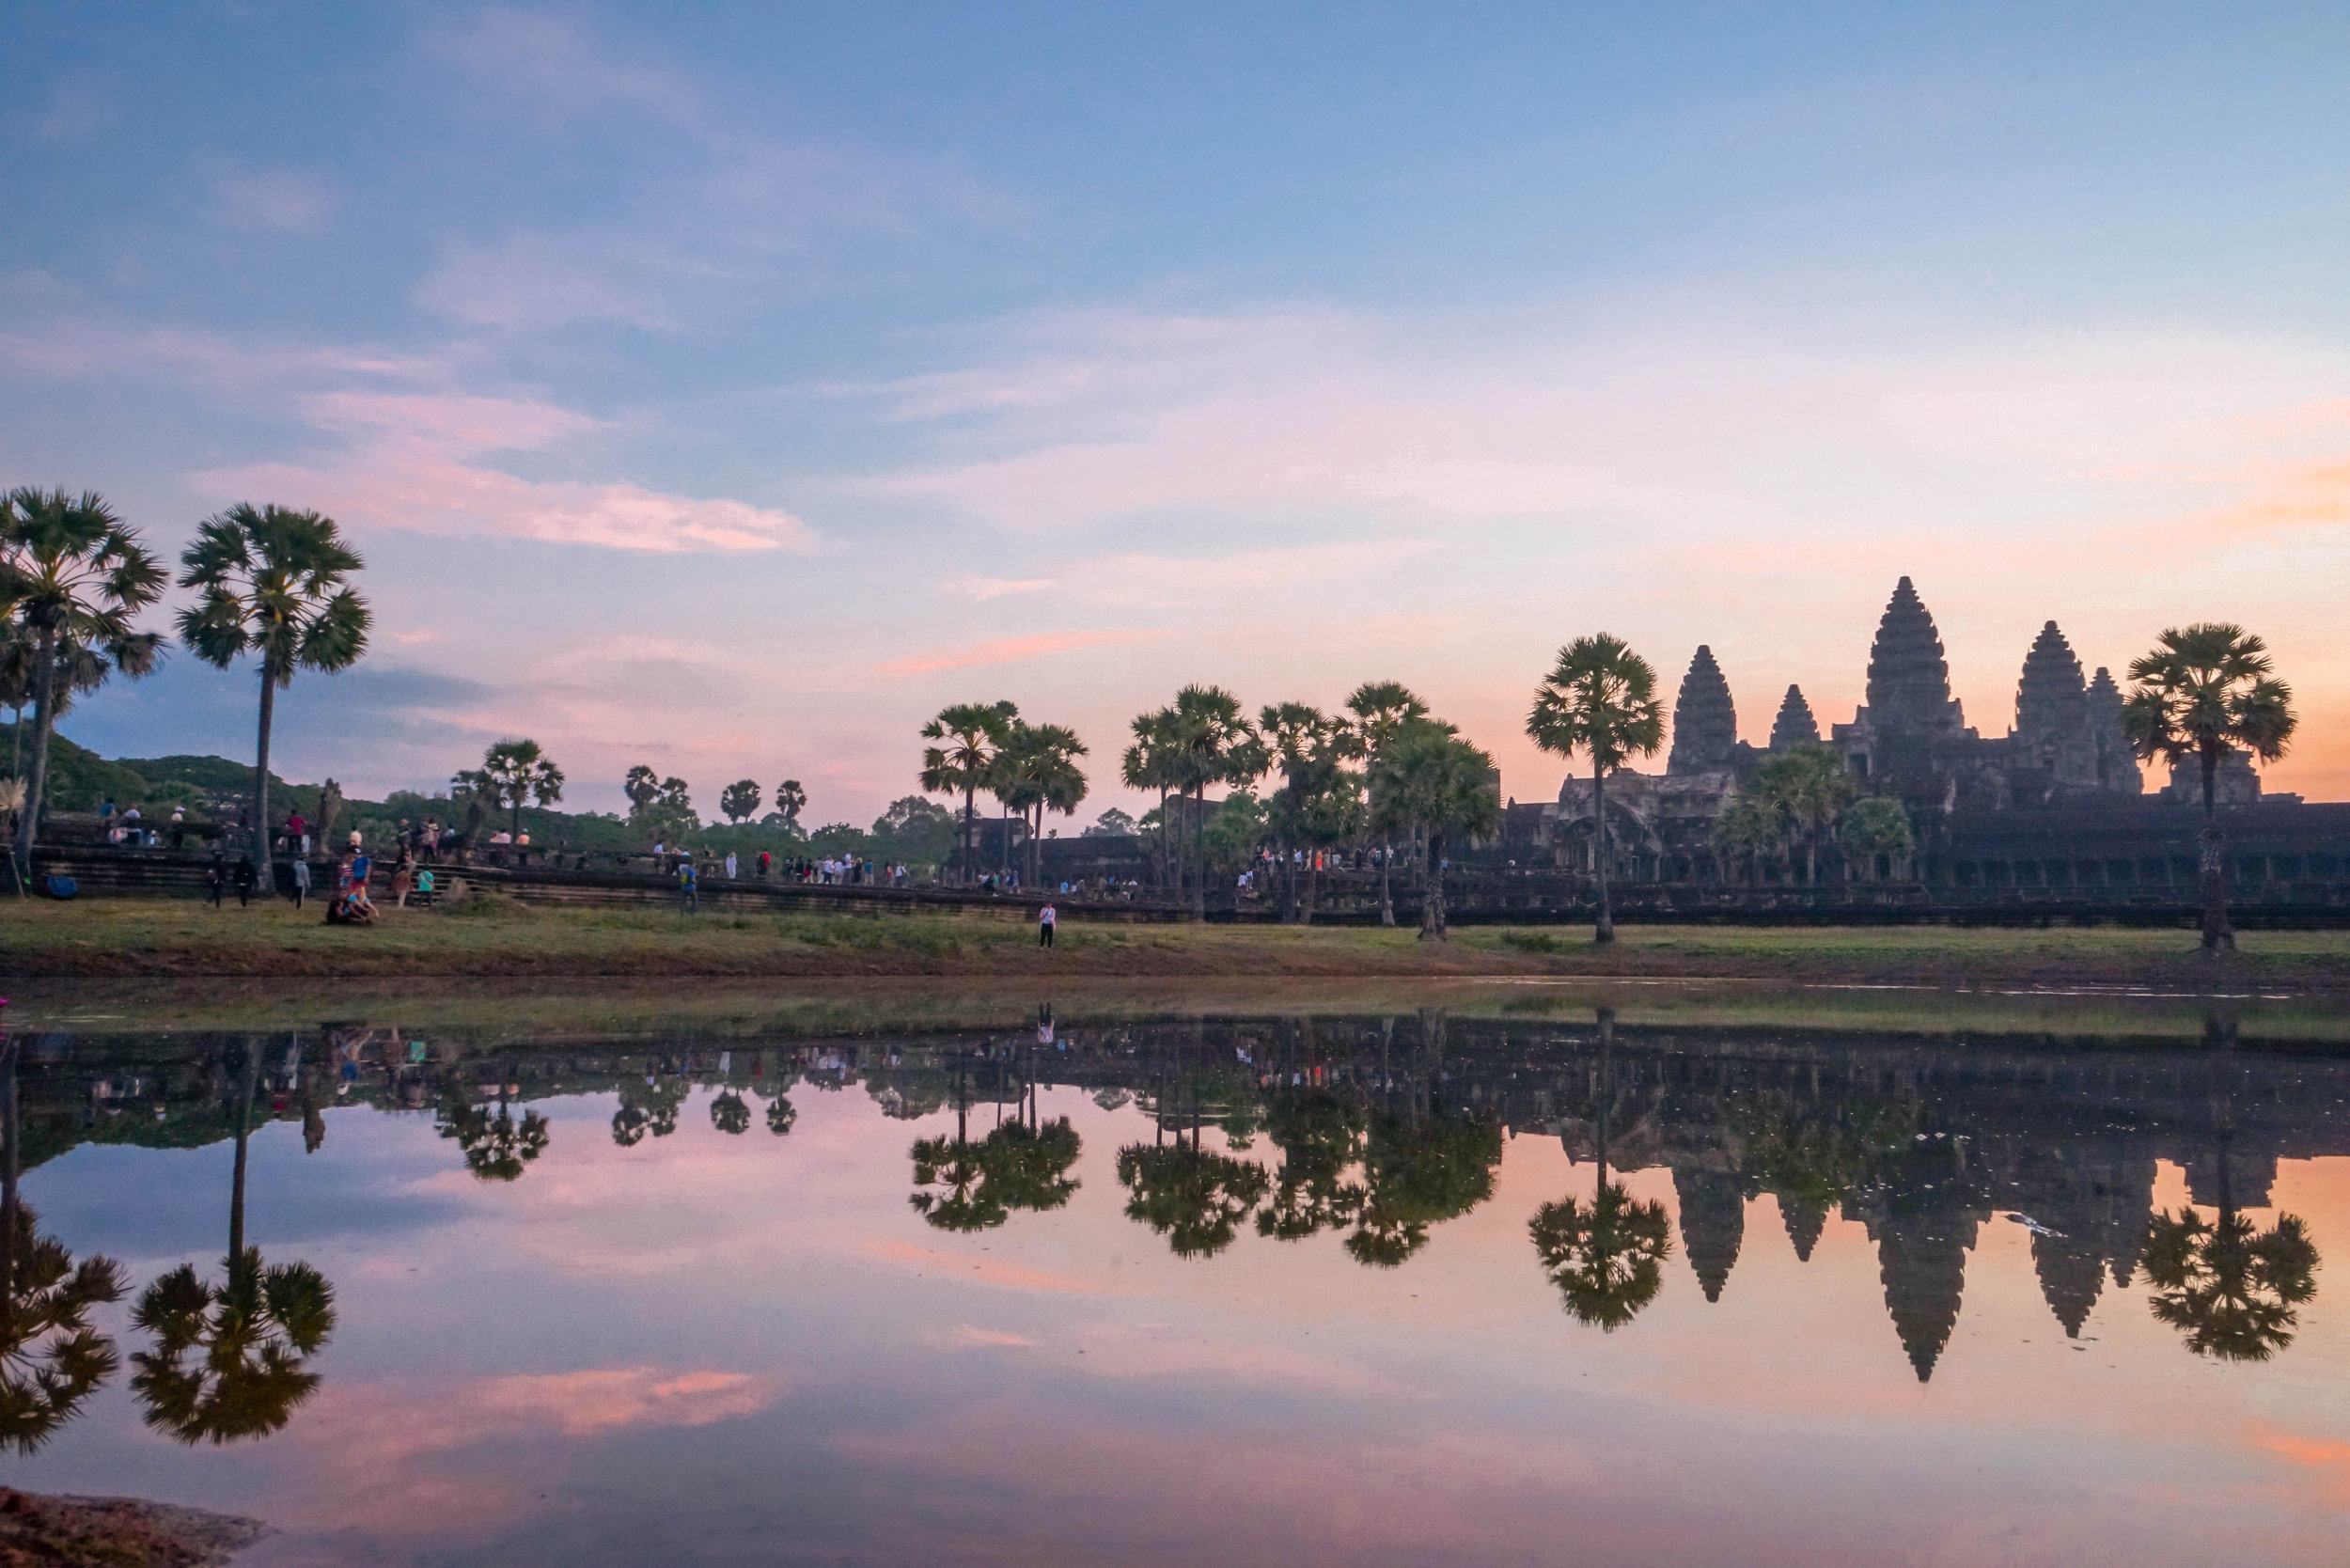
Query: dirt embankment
{"x": 118, "y": 1532}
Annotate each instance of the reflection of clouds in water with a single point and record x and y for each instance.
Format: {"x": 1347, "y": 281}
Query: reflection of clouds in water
{"x": 382, "y": 1443}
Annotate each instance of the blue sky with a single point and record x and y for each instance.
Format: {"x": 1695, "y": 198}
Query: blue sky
{"x": 726, "y": 387}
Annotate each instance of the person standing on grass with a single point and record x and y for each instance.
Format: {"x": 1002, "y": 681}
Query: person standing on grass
{"x": 1046, "y": 919}
{"x": 687, "y": 886}
{"x": 245, "y": 884}
{"x": 216, "y": 879}
{"x": 301, "y": 881}
{"x": 403, "y": 878}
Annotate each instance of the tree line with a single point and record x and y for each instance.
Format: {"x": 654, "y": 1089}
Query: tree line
{"x": 275, "y": 582}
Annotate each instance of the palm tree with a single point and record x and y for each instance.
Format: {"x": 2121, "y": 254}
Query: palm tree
{"x": 253, "y": 1335}
{"x": 1751, "y": 830}
{"x": 791, "y": 800}
{"x": 72, "y": 576}
{"x": 1431, "y": 778}
{"x": 1036, "y": 772}
{"x": 1319, "y": 803}
{"x": 1150, "y": 763}
{"x": 1600, "y": 699}
{"x": 273, "y": 583}
{"x": 1876, "y": 827}
{"x": 2203, "y": 690}
{"x": 1607, "y": 1260}
{"x": 1213, "y": 744}
{"x": 512, "y": 773}
{"x": 50, "y": 1358}
{"x": 1382, "y": 708}
{"x": 739, "y": 801}
{"x": 1808, "y": 788}
{"x": 971, "y": 734}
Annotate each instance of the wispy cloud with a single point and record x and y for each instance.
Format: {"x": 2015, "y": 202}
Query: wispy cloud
{"x": 993, "y": 588}
{"x": 278, "y": 201}
{"x": 1016, "y": 649}
{"x": 413, "y": 462}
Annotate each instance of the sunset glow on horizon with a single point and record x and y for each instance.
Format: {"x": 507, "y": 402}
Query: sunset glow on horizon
{"x": 727, "y": 391}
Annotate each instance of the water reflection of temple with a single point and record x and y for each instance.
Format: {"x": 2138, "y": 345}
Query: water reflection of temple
{"x": 1922, "y": 1143}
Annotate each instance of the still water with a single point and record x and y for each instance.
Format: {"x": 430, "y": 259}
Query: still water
{"x": 1396, "y": 1289}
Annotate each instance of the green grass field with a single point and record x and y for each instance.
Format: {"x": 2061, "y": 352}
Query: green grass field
{"x": 495, "y": 939}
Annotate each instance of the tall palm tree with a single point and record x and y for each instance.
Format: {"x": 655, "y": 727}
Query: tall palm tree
{"x": 1382, "y": 708}
{"x": 1432, "y": 780}
{"x": 1213, "y": 744}
{"x": 1036, "y": 772}
{"x": 252, "y": 1336}
{"x": 512, "y": 773}
{"x": 273, "y": 583}
{"x": 1150, "y": 763}
{"x": 970, "y": 734}
{"x": 1319, "y": 803}
{"x": 72, "y": 576}
{"x": 2203, "y": 690}
{"x": 1600, "y": 699}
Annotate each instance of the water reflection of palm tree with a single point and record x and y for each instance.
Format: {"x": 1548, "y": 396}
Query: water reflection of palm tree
{"x": 730, "y": 1112}
{"x": 650, "y": 1107}
{"x": 50, "y": 1358}
{"x": 1195, "y": 1199}
{"x": 497, "y": 1147}
{"x": 231, "y": 1360}
{"x": 952, "y": 1177}
{"x": 1320, "y": 1138}
{"x": 1417, "y": 1171}
{"x": 1607, "y": 1260}
{"x": 2230, "y": 1287}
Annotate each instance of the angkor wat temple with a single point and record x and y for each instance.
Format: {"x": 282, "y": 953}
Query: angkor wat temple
{"x": 2059, "y": 801}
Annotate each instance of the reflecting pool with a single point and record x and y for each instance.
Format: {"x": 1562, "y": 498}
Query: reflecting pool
{"x": 1396, "y": 1286}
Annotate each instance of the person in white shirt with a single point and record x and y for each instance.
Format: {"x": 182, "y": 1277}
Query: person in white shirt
{"x": 1046, "y": 919}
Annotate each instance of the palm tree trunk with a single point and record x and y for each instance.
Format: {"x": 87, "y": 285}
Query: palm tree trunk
{"x": 1036, "y": 847}
{"x": 1314, "y": 891}
{"x": 1605, "y": 931}
{"x": 35, "y": 787}
{"x": 1199, "y": 851}
{"x": 1386, "y": 895}
{"x": 261, "y": 778}
{"x": 8, "y": 1158}
{"x": 1432, "y": 907}
{"x": 2214, "y": 861}
{"x": 970, "y": 852}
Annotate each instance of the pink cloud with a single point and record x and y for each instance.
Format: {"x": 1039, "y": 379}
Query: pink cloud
{"x": 414, "y": 464}
{"x": 1007, "y": 651}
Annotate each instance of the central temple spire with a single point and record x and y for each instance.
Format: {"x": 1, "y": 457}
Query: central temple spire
{"x": 1909, "y": 680}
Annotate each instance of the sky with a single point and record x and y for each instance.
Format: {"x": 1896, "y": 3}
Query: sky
{"x": 726, "y": 387}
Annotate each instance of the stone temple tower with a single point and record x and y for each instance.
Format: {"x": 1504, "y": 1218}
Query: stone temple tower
{"x": 2117, "y": 765}
{"x": 1911, "y": 730}
{"x": 1909, "y": 679}
{"x": 1795, "y": 724}
{"x": 1705, "y": 724}
{"x": 2051, "y": 731}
